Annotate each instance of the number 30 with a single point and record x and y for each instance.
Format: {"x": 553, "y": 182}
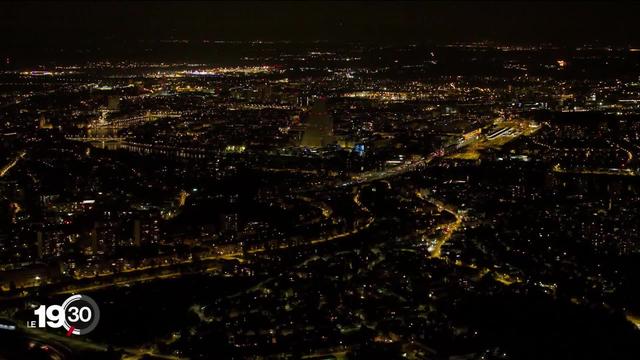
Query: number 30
{"x": 83, "y": 314}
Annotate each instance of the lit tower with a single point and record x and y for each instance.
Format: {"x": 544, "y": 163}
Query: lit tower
{"x": 319, "y": 127}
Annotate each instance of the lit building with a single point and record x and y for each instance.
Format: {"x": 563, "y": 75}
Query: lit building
{"x": 319, "y": 127}
{"x": 113, "y": 103}
{"x": 43, "y": 123}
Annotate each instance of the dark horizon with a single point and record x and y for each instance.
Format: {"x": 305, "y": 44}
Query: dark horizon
{"x": 33, "y": 24}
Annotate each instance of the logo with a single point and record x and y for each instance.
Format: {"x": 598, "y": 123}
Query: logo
{"x": 78, "y": 315}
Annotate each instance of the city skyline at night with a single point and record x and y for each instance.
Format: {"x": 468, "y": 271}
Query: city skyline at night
{"x": 319, "y": 180}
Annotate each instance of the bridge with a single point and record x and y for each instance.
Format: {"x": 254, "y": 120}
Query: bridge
{"x": 96, "y": 138}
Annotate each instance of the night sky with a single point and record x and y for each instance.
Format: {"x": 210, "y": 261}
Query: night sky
{"x": 69, "y": 24}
